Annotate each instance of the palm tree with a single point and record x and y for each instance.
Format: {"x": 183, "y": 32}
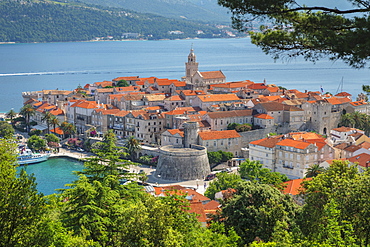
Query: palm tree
{"x": 11, "y": 114}
{"x": 359, "y": 119}
{"x": 347, "y": 120}
{"x": 314, "y": 170}
{"x": 132, "y": 145}
{"x": 27, "y": 111}
{"x": 47, "y": 117}
{"x": 68, "y": 128}
{"x": 54, "y": 121}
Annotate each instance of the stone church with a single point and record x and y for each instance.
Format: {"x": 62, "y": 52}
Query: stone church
{"x": 197, "y": 80}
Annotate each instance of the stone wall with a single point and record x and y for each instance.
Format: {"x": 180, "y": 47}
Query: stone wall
{"x": 178, "y": 163}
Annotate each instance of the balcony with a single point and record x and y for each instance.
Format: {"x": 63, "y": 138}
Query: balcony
{"x": 117, "y": 126}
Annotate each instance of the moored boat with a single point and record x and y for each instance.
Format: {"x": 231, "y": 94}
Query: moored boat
{"x": 28, "y": 157}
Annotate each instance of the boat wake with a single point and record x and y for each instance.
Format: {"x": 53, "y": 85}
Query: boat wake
{"x": 50, "y": 73}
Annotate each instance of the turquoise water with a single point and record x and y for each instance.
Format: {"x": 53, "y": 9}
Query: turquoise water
{"x": 53, "y": 173}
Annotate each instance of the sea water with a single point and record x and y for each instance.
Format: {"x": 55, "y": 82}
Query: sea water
{"x": 53, "y": 174}
{"x": 33, "y": 67}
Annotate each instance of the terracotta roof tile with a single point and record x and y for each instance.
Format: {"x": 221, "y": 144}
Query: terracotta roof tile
{"x": 343, "y": 94}
{"x": 358, "y": 103}
{"x": 362, "y": 159}
{"x": 257, "y": 86}
{"x": 293, "y": 143}
{"x": 218, "y": 97}
{"x": 268, "y": 142}
{"x": 176, "y": 131}
{"x": 215, "y": 135}
{"x": 57, "y": 130}
{"x": 263, "y": 116}
{"x": 365, "y": 145}
{"x": 293, "y": 187}
{"x": 191, "y": 92}
{"x": 343, "y": 129}
{"x": 212, "y": 74}
{"x": 103, "y": 83}
{"x": 127, "y": 78}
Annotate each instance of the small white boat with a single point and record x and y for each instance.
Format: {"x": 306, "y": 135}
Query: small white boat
{"x": 26, "y": 156}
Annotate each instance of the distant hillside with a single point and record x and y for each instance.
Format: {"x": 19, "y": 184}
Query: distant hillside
{"x": 199, "y": 10}
{"x": 42, "y": 21}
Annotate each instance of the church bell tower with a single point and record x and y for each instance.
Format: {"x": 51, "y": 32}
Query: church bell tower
{"x": 191, "y": 66}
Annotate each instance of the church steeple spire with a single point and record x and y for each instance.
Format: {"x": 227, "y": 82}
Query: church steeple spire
{"x": 191, "y": 65}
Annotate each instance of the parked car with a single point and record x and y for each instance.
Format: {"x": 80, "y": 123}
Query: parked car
{"x": 210, "y": 177}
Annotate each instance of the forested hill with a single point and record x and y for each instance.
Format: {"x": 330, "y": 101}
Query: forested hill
{"x": 46, "y": 21}
{"x": 200, "y": 10}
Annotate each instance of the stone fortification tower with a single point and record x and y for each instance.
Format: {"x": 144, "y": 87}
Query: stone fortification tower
{"x": 179, "y": 164}
{"x": 190, "y": 133}
{"x": 188, "y": 162}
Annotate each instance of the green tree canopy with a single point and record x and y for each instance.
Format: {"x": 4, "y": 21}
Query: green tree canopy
{"x": 224, "y": 181}
{"x": 307, "y": 29}
{"x": 6, "y": 130}
{"x": 255, "y": 210}
{"x": 36, "y": 143}
{"x": 122, "y": 83}
{"x": 253, "y": 171}
{"x": 337, "y": 198}
{"x": 51, "y": 138}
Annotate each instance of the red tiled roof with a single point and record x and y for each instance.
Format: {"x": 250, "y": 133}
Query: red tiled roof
{"x": 305, "y": 135}
{"x": 365, "y": 145}
{"x": 57, "y": 130}
{"x": 257, "y": 86}
{"x": 57, "y": 112}
{"x": 358, "y": 103}
{"x": 127, "y": 78}
{"x": 343, "y": 129}
{"x": 343, "y": 94}
{"x": 263, "y": 116}
{"x": 218, "y": 97}
{"x": 337, "y": 101}
{"x": 106, "y": 112}
{"x": 294, "y": 186}
{"x": 104, "y": 90}
{"x": 362, "y": 159}
{"x": 180, "y": 190}
{"x": 293, "y": 143}
{"x": 85, "y": 104}
{"x": 212, "y": 74}
{"x": 191, "y": 92}
{"x": 198, "y": 209}
{"x": 232, "y": 84}
{"x": 176, "y": 131}
{"x": 268, "y": 142}
{"x": 175, "y": 98}
{"x": 104, "y": 83}
{"x": 214, "y": 135}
